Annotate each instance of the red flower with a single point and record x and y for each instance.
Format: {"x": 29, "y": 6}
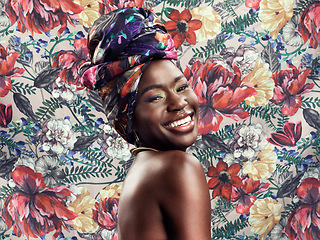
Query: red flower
{"x": 223, "y": 178}
{"x": 5, "y": 114}
{"x": 71, "y": 61}
{"x": 254, "y": 4}
{"x": 245, "y": 194}
{"x": 106, "y": 214}
{"x": 309, "y": 24}
{"x": 218, "y": 89}
{"x": 40, "y": 16}
{"x": 289, "y": 137}
{"x": 7, "y": 70}
{"x": 304, "y": 221}
{"x": 289, "y": 86}
{"x": 182, "y": 27}
{"x": 106, "y": 6}
{"x": 34, "y": 210}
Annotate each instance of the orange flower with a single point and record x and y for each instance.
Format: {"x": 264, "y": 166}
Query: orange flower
{"x": 182, "y": 27}
{"x": 223, "y": 178}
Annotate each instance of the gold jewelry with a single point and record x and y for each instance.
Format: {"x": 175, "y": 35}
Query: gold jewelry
{"x": 136, "y": 138}
{"x": 135, "y": 151}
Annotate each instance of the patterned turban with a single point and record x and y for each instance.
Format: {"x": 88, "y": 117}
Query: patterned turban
{"x": 121, "y": 45}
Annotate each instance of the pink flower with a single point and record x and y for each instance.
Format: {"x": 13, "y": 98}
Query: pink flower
{"x": 304, "y": 221}
{"x": 106, "y": 210}
{"x": 219, "y": 91}
{"x": 289, "y": 86}
{"x": 41, "y": 16}
{"x": 71, "y": 61}
{"x": 245, "y": 194}
{"x": 5, "y": 114}
{"x": 288, "y": 137}
{"x": 7, "y": 70}
{"x": 309, "y": 24}
{"x": 34, "y": 210}
{"x": 254, "y": 4}
{"x": 106, "y": 6}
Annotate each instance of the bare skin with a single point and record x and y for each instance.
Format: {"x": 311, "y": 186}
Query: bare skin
{"x": 165, "y": 194}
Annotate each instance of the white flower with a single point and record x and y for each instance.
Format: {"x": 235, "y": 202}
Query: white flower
{"x": 290, "y": 34}
{"x": 57, "y": 136}
{"x": 48, "y": 167}
{"x": 248, "y": 141}
{"x": 65, "y": 92}
{"x": 113, "y": 146}
{"x": 245, "y": 58}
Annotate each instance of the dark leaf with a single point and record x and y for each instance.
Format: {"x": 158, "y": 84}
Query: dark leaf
{"x": 40, "y": 66}
{"x": 312, "y": 117}
{"x": 95, "y": 100}
{"x": 23, "y": 104}
{"x": 46, "y": 77}
{"x": 83, "y": 142}
{"x": 271, "y": 58}
{"x": 289, "y": 186}
{"x": 213, "y": 141}
{"x": 6, "y": 166}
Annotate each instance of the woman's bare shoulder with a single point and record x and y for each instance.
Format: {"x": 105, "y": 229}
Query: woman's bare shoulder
{"x": 170, "y": 164}
{"x": 174, "y": 170}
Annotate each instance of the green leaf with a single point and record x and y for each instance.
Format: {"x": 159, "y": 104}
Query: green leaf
{"x": 240, "y": 23}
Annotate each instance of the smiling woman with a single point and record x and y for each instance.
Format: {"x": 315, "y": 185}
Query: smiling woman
{"x": 149, "y": 101}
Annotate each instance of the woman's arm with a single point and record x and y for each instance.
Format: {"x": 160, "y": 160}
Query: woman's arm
{"x": 184, "y": 197}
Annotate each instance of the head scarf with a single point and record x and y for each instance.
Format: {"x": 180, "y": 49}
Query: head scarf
{"x": 121, "y": 45}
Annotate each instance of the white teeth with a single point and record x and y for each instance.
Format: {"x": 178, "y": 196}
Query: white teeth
{"x": 180, "y": 122}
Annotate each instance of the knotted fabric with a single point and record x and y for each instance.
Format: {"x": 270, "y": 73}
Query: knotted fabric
{"x": 121, "y": 45}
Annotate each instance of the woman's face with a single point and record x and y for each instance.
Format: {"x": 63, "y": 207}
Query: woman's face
{"x": 166, "y": 112}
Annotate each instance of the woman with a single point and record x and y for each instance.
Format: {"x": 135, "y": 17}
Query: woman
{"x": 149, "y": 101}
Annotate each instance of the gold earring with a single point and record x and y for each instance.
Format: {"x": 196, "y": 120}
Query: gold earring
{"x": 136, "y": 138}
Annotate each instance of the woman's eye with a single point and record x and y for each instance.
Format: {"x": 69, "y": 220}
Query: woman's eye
{"x": 183, "y": 87}
{"x": 153, "y": 98}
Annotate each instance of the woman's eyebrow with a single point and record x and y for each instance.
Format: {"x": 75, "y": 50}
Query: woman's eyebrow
{"x": 179, "y": 77}
{"x": 160, "y": 85}
{"x": 151, "y": 87}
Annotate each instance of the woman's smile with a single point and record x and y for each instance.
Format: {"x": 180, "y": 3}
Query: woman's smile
{"x": 183, "y": 125}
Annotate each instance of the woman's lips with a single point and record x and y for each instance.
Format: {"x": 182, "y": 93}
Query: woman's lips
{"x": 182, "y": 125}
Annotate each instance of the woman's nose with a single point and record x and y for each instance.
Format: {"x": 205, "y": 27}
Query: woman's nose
{"x": 176, "y": 102}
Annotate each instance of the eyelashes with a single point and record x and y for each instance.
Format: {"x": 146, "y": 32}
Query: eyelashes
{"x": 183, "y": 87}
{"x": 158, "y": 95}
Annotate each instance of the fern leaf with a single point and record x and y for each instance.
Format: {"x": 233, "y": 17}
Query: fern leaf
{"x": 230, "y": 229}
{"x": 240, "y": 23}
{"x": 47, "y": 111}
{"x": 211, "y": 48}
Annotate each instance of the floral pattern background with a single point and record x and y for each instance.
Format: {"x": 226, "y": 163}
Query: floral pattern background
{"x": 254, "y": 65}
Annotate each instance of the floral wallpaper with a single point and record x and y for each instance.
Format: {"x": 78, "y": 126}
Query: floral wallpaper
{"x": 254, "y": 65}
